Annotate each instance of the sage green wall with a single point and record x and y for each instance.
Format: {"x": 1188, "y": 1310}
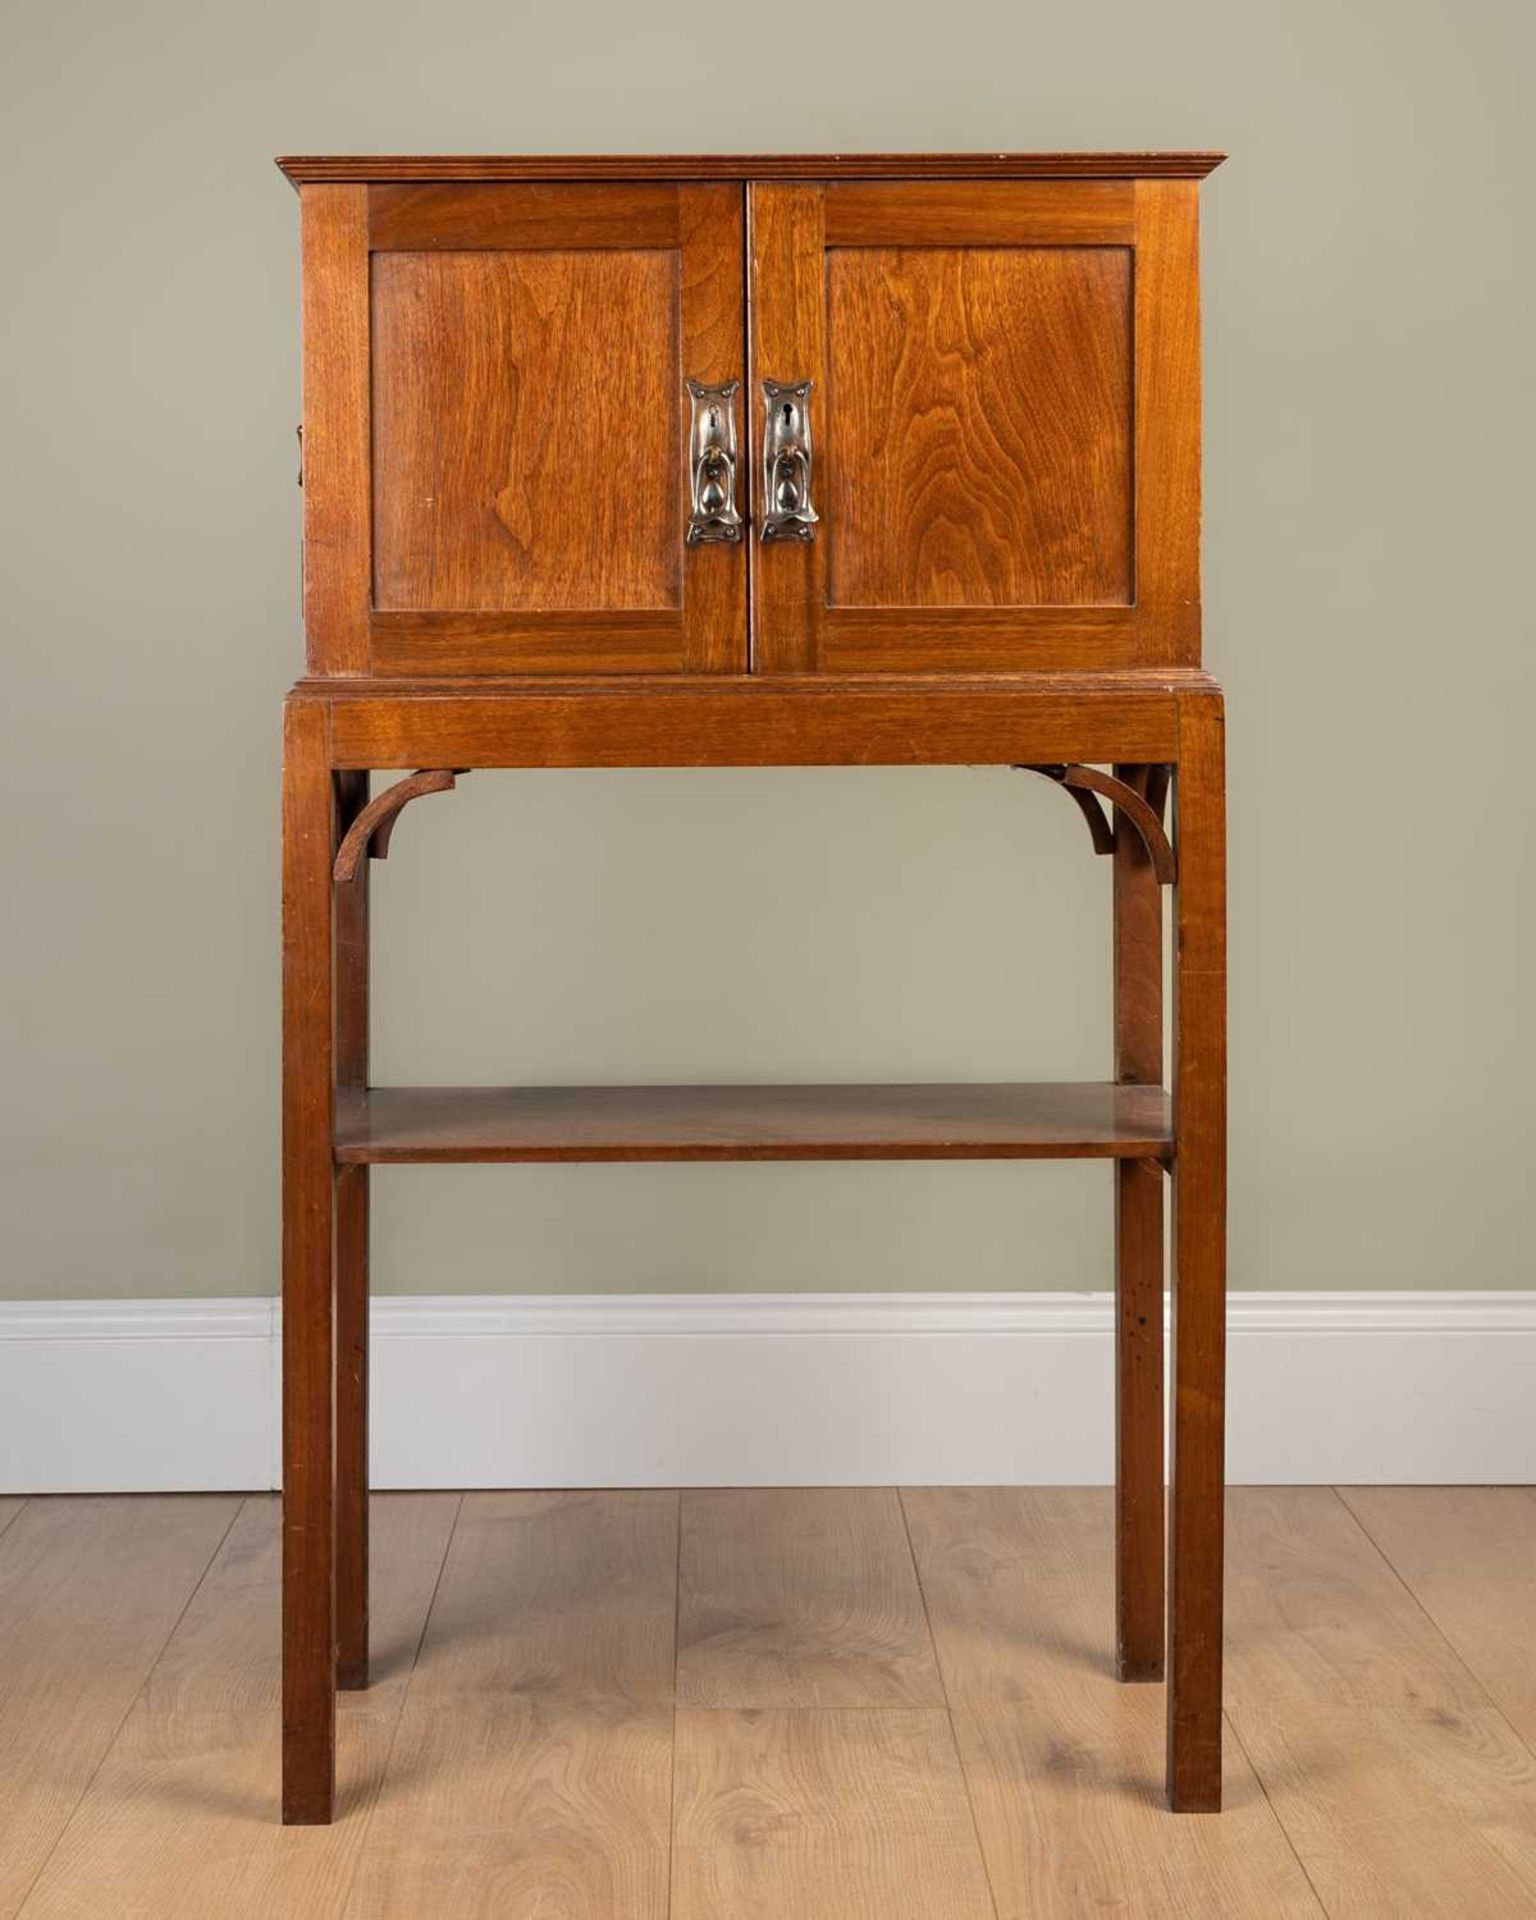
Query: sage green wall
{"x": 1369, "y": 341}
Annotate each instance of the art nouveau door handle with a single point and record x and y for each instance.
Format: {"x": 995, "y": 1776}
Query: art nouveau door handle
{"x": 787, "y": 510}
{"x": 712, "y": 463}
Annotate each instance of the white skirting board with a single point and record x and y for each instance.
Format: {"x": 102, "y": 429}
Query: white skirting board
{"x": 744, "y": 1390}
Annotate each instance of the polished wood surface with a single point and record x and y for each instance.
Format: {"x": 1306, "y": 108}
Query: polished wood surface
{"x": 955, "y": 483}
{"x": 1376, "y": 1768}
{"x": 1133, "y": 812}
{"x": 1006, "y": 421}
{"x": 755, "y": 723}
{"x": 310, "y": 837}
{"x": 1139, "y": 1413}
{"x": 353, "y": 1224}
{"x": 495, "y": 473}
{"x": 521, "y": 401}
{"x": 931, "y": 1121}
{"x": 786, "y": 321}
{"x": 366, "y": 830}
{"x": 958, "y": 213}
{"x": 756, "y": 166}
{"x": 1167, "y": 431}
{"x": 336, "y": 458}
{"x": 1147, "y": 720}
{"x": 1197, "y": 1429}
{"x": 560, "y": 218}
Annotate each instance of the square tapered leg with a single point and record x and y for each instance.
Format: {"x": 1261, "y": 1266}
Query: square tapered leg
{"x": 352, "y": 1428}
{"x": 1138, "y": 995}
{"x": 352, "y": 1223}
{"x": 1199, "y": 1267}
{"x": 309, "y": 1234}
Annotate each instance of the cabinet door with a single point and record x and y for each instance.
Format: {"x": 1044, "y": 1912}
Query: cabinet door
{"x": 498, "y": 426}
{"x": 1004, "y": 424}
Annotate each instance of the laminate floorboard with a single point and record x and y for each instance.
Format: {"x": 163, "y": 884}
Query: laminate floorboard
{"x": 836, "y": 1704}
{"x": 181, "y": 1820}
{"x": 90, "y": 1590}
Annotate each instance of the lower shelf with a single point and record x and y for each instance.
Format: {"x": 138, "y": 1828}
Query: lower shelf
{"x": 1036, "y": 1120}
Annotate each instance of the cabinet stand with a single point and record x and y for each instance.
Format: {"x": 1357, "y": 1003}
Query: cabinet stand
{"x": 1149, "y": 726}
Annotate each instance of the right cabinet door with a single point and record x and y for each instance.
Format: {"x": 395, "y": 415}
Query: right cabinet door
{"x": 1003, "y": 417}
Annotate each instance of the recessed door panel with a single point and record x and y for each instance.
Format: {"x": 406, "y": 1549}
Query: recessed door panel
{"x": 503, "y": 438}
{"x": 983, "y": 424}
{"x": 1004, "y": 416}
{"x": 524, "y": 407}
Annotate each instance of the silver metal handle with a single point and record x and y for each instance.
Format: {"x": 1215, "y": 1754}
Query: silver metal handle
{"x": 787, "y": 510}
{"x": 712, "y": 463}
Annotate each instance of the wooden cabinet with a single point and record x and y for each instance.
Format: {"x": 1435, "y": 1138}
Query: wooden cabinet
{"x": 776, "y": 461}
{"x": 988, "y": 397}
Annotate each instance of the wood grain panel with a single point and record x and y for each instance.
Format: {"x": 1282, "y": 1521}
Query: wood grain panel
{"x": 1007, "y": 422}
{"x": 803, "y": 1816}
{"x": 310, "y": 839}
{"x": 957, "y": 213}
{"x": 1168, "y": 422}
{"x": 519, "y": 400}
{"x": 802, "y": 1597}
{"x": 1139, "y": 1412}
{"x": 353, "y": 1223}
{"x": 786, "y": 311}
{"x": 756, "y": 723}
{"x": 982, "y": 407}
{"x": 564, "y": 217}
{"x": 90, "y": 1589}
{"x": 981, "y": 1120}
{"x": 1468, "y": 1555}
{"x": 712, "y": 234}
{"x": 569, "y": 1594}
{"x": 977, "y": 640}
{"x": 336, "y": 461}
{"x": 549, "y": 642}
{"x": 1198, "y": 1289}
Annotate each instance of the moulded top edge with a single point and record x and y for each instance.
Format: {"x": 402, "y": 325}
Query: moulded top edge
{"x": 303, "y": 168}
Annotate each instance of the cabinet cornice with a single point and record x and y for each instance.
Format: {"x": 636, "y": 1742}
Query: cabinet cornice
{"x": 304, "y": 169}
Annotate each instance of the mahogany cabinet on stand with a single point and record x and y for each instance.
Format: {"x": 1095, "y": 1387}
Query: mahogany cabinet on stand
{"x": 876, "y": 460}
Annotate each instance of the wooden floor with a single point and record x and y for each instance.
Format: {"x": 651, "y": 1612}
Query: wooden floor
{"x": 855, "y": 1705}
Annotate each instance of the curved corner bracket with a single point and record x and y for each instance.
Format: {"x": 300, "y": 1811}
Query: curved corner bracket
{"x": 368, "y": 835}
{"x": 1082, "y": 783}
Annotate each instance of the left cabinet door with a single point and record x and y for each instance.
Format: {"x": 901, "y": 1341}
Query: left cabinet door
{"x": 499, "y": 432}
